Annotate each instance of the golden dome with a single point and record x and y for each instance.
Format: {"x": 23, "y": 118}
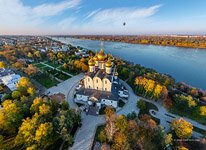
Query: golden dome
{"x": 108, "y": 63}
{"x": 95, "y": 58}
{"x": 101, "y": 55}
{"x": 116, "y": 73}
{"x": 91, "y": 62}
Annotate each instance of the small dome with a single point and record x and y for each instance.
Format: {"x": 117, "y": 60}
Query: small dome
{"x": 116, "y": 73}
{"x": 108, "y": 63}
{"x": 101, "y": 55}
{"x": 95, "y": 58}
{"x": 91, "y": 62}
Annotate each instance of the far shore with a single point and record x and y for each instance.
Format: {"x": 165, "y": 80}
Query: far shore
{"x": 183, "y": 42}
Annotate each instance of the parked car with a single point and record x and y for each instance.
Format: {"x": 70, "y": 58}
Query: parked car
{"x": 78, "y": 87}
{"x": 123, "y": 94}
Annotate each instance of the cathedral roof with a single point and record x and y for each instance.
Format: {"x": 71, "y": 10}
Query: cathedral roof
{"x": 101, "y": 55}
{"x": 91, "y": 62}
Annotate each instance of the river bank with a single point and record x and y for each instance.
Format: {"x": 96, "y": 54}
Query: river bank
{"x": 198, "y": 42}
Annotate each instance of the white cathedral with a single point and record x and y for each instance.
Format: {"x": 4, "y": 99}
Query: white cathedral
{"x": 100, "y": 84}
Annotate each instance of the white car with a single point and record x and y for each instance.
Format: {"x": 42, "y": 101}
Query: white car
{"x": 78, "y": 87}
{"x": 123, "y": 94}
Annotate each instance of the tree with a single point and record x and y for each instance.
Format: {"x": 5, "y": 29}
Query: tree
{"x": 37, "y": 54}
{"x": 43, "y": 133}
{"x": 121, "y": 124}
{"x": 182, "y": 128}
{"x": 31, "y": 70}
{"x": 23, "y": 85}
{"x": 110, "y": 128}
{"x": 182, "y": 148}
{"x": 23, "y": 98}
{"x": 31, "y": 91}
{"x": 2, "y": 64}
{"x": 120, "y": 142}
{"x": 44, "y": 109}
{"x": 141, "y": 104}
{"x": 38, "y": 101}
{"x": 109, "y": 111}
{"x": 105, "y": 147}
{"x": 30, "y": 55}
{"x": 16, "y": 94}
{"x": 102, "y": 136}
{"x": 26, "y": 133}
{"x": 10, "y": 116}
{"x": 202, "y": 110}
{"x": 168, "y": 139}
{"x": 19, "y": 64}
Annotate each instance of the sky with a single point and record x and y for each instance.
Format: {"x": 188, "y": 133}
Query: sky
{"x": 101, "y": 17}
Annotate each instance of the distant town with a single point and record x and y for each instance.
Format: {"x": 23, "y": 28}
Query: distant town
{"x": 55, "y": 95}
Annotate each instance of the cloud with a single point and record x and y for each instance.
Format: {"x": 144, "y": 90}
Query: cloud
{"x": 54, "y": 8}
{"x": 109, "y": 21}
{"x": 20, "y": 19}
{"x": 92, "y": 13}
{"x": 122, "y": 14}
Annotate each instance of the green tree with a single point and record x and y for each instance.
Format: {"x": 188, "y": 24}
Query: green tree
{"x": 16, "y": 94}
{"x": 121, "y": 124}
{"x": 102, "y": 136}
{"x": 141, "y": 104}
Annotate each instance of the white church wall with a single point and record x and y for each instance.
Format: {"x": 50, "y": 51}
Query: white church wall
{"x": 88, "y": 82}
{"x": 97, "y": 83}
{"x": 107, "y": 85}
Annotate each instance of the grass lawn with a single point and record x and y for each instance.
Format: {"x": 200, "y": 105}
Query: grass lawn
{"x": 99, "y": 129}
{"x": 121, "y": 103}
{"x": 62, "y": 76}
{"x": 53, "y": 64}
{"x": 146, "y": 111}
{"x": 53, "y": 71}
{"x": 45, "y": 80}
{"x": 39, "y": 65}
{"x": 68, "y": 71}
{"x": 194, "y": 115}
{"x": 46, "y": 69}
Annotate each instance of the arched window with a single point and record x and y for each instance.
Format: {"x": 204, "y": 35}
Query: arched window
{"x": 97, "y": 80}
{"x": 105, "y": 81}
{"x": 105, "y": 89}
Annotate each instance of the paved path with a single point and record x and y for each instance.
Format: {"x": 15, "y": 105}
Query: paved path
{"x": 130, "y": 106}
{"x": 85, "y": 135}
{"x": 57, "y": 69}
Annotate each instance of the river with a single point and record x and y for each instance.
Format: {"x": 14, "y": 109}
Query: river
{"x": 184, "y": 64}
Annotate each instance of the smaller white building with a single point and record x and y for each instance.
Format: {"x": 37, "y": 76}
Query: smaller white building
{"x": 9, "y": 78}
